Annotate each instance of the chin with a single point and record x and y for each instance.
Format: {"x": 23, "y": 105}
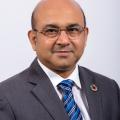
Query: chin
{"x": 64, "y": 68}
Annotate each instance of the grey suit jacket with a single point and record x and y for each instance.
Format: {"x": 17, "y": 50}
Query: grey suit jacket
{"x": 30, "y": 95}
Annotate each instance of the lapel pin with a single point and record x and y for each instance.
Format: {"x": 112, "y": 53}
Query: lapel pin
{"x": 94, "y": 88}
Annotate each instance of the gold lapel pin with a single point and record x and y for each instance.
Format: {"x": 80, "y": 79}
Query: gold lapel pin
{"x": 94, "y": 88}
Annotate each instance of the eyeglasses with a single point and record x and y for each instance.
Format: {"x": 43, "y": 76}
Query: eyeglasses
{"x": 52, "y": 31}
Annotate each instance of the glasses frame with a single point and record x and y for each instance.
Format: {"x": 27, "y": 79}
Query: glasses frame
{"x": 59, "y": 32}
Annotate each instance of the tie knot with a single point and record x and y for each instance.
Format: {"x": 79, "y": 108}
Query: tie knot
{"x": 66, "y": 85}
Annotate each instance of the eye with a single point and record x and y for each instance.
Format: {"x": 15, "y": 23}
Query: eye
{"x": 50, "y": 31}
{"x": 73, "y": 29}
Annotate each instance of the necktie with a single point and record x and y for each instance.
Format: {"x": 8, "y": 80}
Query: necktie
{"x": 70, "y": 106}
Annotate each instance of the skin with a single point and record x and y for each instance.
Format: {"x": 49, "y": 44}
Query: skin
{"x": 61, "y": 54}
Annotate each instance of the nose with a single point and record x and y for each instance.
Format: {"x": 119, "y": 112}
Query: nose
{"x": 63, "y": 39}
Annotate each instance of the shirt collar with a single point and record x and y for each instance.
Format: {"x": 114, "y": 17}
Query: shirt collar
{"x": 56, "y": 79}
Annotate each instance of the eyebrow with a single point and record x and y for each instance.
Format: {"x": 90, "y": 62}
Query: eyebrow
{"x": 51, "y": 25}
{"x": 57, "y": 26}
{"x": 73, "y": 25}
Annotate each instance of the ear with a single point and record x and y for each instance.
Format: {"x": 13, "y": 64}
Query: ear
{"x": 32, "y": 39}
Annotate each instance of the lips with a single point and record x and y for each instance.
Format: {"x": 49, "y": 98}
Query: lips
{"x": 63, "y": 53}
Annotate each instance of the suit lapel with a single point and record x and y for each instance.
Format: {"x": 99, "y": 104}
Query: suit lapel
{"x": 93, "y": 94}
{"x": 45, "y": 93}
{"x": 47, "y": 96}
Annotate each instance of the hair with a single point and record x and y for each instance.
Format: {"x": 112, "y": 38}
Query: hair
{"x": 33, "y": 19}
{"x": 84, "y": 17}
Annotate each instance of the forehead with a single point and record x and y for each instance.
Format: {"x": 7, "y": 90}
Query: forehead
{"x": 60, "y": 14}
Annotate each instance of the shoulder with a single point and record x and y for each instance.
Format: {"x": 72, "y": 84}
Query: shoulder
{"x": 103, "y": 81}
{"x": 14, "y": 84}
{"x": 12, "y": 92}
{"x": 93, "y": 74}
{"x": 20, "y": 77}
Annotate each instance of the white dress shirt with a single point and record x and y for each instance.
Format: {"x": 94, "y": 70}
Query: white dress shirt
{"x": 56, "y": 79}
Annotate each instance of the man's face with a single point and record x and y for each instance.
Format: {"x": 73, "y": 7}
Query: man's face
{"x": 58, "y": 53}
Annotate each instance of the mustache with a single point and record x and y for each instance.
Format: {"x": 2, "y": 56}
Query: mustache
{"x": 63, "y": 49}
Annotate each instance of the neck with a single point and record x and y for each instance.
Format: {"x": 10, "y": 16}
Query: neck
{"x": 64, "y": 73}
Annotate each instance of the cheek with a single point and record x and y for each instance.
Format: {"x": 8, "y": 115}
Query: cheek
{"x": 43, "y": 47}
{"x": 79, "y": 46}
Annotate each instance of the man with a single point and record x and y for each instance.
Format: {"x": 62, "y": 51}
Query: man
{"x": 58, "y": 37}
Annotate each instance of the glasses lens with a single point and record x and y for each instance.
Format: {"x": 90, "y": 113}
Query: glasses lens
{"x": 51, "y": 32}
{"x": 74, "y": 31}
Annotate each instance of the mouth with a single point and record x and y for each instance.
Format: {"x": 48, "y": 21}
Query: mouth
{"x": 63, "y": 53}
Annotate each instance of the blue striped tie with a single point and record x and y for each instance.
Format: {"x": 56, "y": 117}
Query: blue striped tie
{"x": 70, "y": 106}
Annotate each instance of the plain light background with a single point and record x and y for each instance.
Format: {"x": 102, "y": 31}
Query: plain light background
{"x": 102, "y": 50}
